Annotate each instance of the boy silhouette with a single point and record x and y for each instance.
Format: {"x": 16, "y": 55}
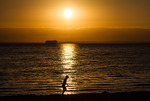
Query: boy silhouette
{"x": 64, "y": 84}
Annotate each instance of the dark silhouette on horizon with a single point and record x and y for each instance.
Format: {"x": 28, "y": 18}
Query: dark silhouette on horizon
{"x": 64, "y": 84}
{"x": 51, "y": 42}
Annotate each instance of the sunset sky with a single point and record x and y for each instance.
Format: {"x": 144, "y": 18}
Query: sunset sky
{"x": 90, "y": 20}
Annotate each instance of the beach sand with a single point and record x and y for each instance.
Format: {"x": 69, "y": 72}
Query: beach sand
{"x": 125, "y": 96}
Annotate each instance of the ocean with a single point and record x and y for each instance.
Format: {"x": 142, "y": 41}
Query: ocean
{"x": 92, "y": 68}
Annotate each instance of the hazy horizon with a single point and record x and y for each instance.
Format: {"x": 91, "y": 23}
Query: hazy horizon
{"x": 84, "y": 35}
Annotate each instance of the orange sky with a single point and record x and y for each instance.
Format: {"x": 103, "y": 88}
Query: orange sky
{"x": 88, "y": 15}
{"x": 90, "y": 35}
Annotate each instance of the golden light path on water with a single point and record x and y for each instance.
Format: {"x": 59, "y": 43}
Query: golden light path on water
{"x": 68, "y": 59}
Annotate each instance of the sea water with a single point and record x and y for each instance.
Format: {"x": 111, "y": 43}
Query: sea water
{"x": 92, "y": 68}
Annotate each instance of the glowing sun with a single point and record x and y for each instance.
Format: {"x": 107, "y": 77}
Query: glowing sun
{"x": 68, "y": 13}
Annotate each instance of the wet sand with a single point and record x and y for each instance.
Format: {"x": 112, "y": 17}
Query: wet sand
{"x": 126, "y": 96}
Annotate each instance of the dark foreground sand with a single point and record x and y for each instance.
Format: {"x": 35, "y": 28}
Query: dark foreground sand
{"x": 126, "y": 96}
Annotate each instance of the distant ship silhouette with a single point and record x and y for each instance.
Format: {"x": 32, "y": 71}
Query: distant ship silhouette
{"x": 51, "y": 42}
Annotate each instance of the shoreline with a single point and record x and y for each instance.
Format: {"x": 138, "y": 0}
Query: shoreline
{"x": 105, "y": 96}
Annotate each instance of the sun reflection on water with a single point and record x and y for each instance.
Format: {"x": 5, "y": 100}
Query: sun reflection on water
{"x": 68, "y": 59}
{"x": 68, "y": 55}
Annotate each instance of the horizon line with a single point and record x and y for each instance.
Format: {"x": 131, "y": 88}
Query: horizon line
{"x": 110, "y": 27}
{"x": 113, "y": 42}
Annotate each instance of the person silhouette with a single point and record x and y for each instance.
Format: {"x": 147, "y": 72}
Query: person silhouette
{"x": 64, "y": 84}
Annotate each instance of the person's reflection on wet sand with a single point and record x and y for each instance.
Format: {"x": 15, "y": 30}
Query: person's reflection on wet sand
{"x": 64, "y": 84}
